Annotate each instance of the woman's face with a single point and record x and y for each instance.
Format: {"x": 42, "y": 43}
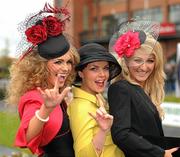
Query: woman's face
{"x": 141, "y": 65}
{"x": 61, "y": 66}
{"x": 94, "y": 77}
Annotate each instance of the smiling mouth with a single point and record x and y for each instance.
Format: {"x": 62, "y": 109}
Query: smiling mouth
{"x": 61, "y": 77}
{"x": 100, "y": 83}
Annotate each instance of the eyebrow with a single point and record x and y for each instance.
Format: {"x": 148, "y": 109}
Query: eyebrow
{"x": 60, "y": 59}
{"x": 98, "y": 65}
{"x": 150, "y": 57}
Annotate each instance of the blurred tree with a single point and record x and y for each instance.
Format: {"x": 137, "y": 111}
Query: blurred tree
{"x": 5, "y": 51}
{"x": 5, "y": 62}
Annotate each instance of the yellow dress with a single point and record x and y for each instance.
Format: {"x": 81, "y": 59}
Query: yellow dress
{"x": 84, "y": 127}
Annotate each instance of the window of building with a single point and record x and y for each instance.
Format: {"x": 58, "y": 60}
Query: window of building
{"x": 85, "y": 18}
{"x": 153, "y": 13}
{"x": 110, "y": 23}
{"x": 119, "y": 17}
{"x": 174, "y": 14}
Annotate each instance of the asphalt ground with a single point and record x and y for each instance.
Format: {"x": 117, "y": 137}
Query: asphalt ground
{"x": 7, "y": 151}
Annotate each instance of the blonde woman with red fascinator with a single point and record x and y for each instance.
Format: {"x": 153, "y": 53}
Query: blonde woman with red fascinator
{"x": 39, "y": 82}
{"x": 135, "y": 99}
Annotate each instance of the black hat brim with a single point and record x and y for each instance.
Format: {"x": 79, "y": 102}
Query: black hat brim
{"x": 94, "y": 52}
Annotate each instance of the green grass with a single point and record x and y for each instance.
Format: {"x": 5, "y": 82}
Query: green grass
{"x": 9, "y": 123}
{"x": 172, "y": 98}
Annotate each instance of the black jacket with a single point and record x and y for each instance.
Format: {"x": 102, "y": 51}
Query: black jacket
{"x": 135, "y": 118}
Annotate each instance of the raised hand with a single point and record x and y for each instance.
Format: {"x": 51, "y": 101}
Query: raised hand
{"x": 103, "y": 119}
{"x": 52, "y": 97}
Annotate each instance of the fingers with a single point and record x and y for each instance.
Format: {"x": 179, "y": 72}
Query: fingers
{"x": 172, "y": 150}
{"x": 56, "y": 85}
{"x": 63, "y": 94}
{"x": 53, "y": 94}
{"x": 51, "y": 97}
{"x": 65, "y": 91}
{"x": 169, "y": 152}
{"x": 102, "y": 114}
{"x": 92, "y": 115}
{"x": 102, "y": 109}
{"x": 99, "y": 112}
{"x": 108, "y": 116}
{"x": 100, "y": 100}
{"x": 40, "y": 90}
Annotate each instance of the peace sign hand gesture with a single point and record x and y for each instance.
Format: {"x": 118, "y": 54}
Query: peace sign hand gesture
{"x": 52, "y": 97}
{"x": 103, "y": 119}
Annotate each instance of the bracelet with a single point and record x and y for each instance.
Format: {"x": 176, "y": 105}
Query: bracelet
{"x": 39, "y": 118}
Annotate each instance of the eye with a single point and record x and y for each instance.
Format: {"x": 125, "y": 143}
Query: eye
{"x": 58, "y": 62}
{"x": 150, "y": 61}
{"x": 93, "y": 69}
{"x": 138, "y": 61}
{"x": 70, "y": 62}
{"x": 107, "y": 68}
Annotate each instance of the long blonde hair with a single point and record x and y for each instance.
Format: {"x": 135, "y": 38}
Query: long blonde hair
{"x": 32, "y": 72}
{"x": 154, "y": 85}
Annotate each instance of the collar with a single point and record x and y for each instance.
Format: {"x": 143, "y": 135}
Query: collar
{"x": 82, "y": 94}
{"x": 79, "y": 93}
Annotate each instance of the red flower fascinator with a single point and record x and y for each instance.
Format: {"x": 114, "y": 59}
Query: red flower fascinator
{"x": 127, "y": 43}
{"x": 40, "y": 27}
{"x": 131, "y": 35}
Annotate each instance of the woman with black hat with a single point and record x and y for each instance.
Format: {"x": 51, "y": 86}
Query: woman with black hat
{"x": 91, "y": 133}
{"x": 38, "y": 84}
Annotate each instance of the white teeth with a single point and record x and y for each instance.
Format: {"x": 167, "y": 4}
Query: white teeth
{"x": 142, "y": 72}
{"x": 61, "y": 75}
{"x": 100, "y": 81}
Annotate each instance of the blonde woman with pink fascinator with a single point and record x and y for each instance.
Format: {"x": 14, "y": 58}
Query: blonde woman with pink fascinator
{"x": 135, "y": 99}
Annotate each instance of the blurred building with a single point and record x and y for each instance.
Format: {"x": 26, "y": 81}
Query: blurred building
{"x": 96, "y": 20}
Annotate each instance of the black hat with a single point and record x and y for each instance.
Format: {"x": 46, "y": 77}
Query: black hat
{"x": 44, "y": 30}
{"x": 53, "y": 47}
{"x": 95, "y": 52}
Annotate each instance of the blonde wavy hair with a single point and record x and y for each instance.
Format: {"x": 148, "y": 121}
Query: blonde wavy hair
{"x": 154, "y": 85}
{"x": 32, "y": 72}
